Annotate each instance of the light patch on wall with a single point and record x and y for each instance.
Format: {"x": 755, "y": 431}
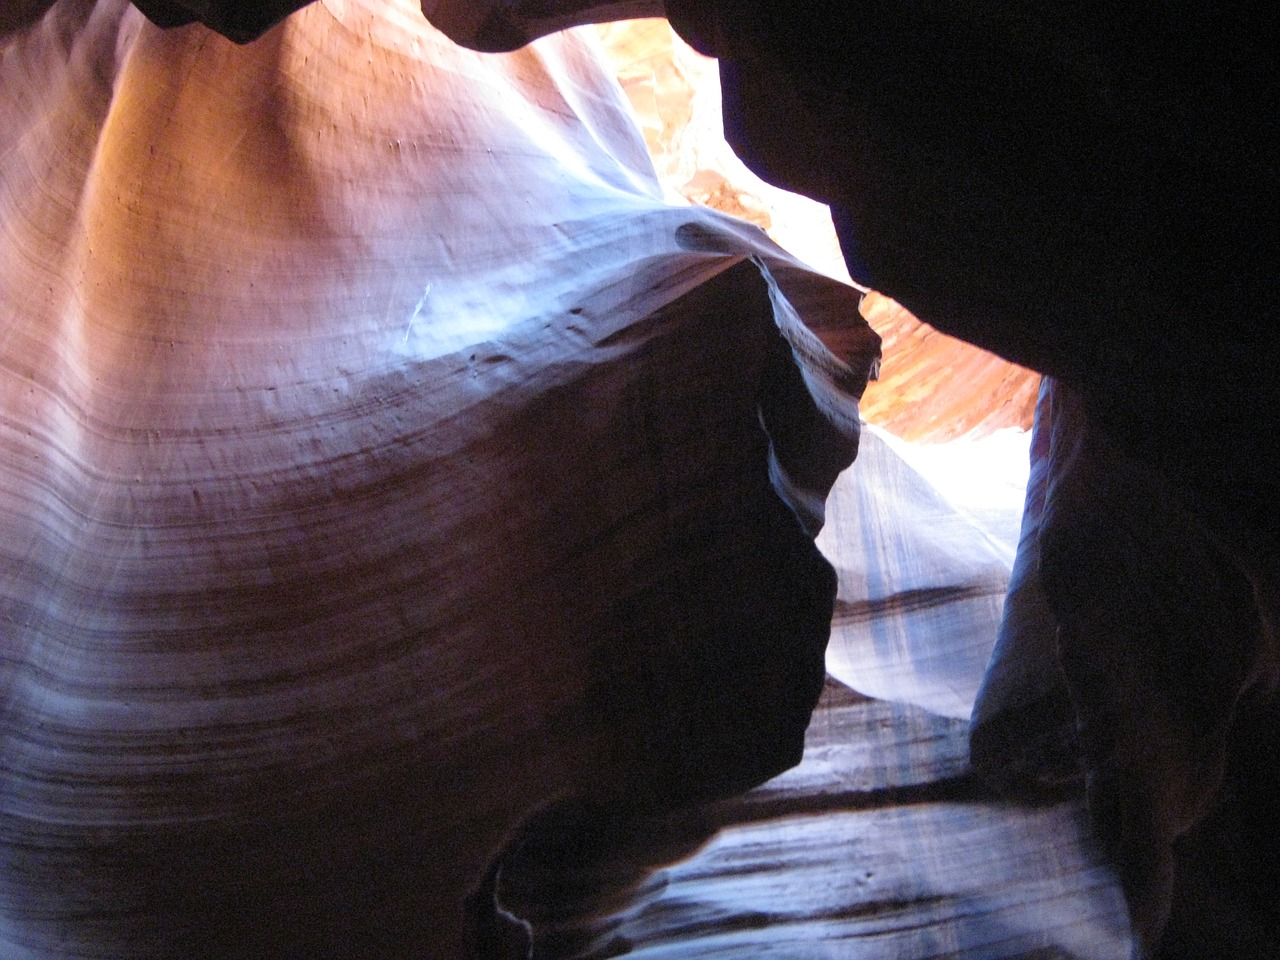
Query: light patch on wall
{"x": 932, "y": 508}
{"x": 932, "y": 388}
{"x": 675, "y": 92}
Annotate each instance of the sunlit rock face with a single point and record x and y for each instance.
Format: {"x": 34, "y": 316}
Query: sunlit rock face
{"x": 931, "y": 387}
{"x": 1006, "y": 179}
{"x": 380, "y": 460}
{"x": 1089, "y": 192}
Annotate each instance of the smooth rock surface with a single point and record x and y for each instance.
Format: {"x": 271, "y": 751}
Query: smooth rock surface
{"x": 881, "y": 843}
{"x": 380, "y": 460}
{"x": 1088, "y": 191}
{"x": 921, "y": 584}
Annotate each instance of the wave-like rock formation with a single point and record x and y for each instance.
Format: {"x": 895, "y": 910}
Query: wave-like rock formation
{"x": 1090, "y": 192}
{"x": 272, "y": 473}
{"x": 380, "y": 460}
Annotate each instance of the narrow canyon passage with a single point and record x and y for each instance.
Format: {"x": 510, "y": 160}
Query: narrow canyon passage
{"x": 883, "y": 842}
{"x": 448, "y": 500}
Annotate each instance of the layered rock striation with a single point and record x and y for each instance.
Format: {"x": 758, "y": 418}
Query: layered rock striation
{"x": 381, "y": 459}
{"x": 1088, "y": 192}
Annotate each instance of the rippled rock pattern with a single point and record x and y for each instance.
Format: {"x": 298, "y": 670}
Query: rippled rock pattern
{"x": 380, "y": 459}
{"x": 1090, "y": 192}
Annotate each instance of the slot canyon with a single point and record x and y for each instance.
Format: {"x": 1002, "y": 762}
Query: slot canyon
{"x": 567, "y": 479}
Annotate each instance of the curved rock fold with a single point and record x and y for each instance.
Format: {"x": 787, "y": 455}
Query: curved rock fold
{"x": 379, "y": 462}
